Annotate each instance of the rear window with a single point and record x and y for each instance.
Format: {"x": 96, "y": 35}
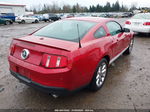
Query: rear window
{"x": 66, "y": 30}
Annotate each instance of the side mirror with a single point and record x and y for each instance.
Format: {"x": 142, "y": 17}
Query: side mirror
{"x": 125, "y": 30}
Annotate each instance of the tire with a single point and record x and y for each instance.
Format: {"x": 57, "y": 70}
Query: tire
{"x": 7, "y": 23}
{"x": 129, "y": 50}
{"x": 23, "y": 22}
{"x": 50, "y": 20}
{"x": 36, "y": 21}
{"x": 99, "y": 77}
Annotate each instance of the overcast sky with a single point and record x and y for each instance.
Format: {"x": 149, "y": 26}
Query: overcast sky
{"x": 139, "y": 3}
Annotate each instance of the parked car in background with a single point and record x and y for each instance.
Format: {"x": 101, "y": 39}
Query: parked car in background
{"x": 50, "y": 17}
{"x": 69, "y": 54}
{"x": 40, "y": 17}
{"x": 81, "y": 15}
{"x": 46, "y": 18}
{"x": 128, "y": 14}
{"x": 60, "y": 15}
{"x": 26, "y": 19}
{"x": 67, "y": 16}
{"x": 106, "y": 15}
{"x": 6, "y": 21}
{"x": 53, "y": 17}
{"x": 139, "y": 23}
{"x": 8, "y": 16}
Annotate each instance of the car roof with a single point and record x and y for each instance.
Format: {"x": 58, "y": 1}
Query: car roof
{"x": 91, "y": 19}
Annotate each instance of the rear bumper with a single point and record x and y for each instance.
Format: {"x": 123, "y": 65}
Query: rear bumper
{"x": 56, "y": 81}
{"x": 18, "y": 20}
{"x": 47, "y": 89}
{"x": 61, "y": 78}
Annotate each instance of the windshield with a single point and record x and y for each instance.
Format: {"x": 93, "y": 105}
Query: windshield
{"x": 66, "y": 30}
{"x": 141, "y": 16}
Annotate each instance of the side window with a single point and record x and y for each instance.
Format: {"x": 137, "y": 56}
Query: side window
{"x": 100, "y": 33}
{"x": 113, "y": 27}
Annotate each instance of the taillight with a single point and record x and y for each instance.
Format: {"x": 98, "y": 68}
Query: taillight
{"x": 54, "y": 61}
{"x": 146, "y": 23}
{"x": 128, "y": 22}
{"x": 12, "y": 49}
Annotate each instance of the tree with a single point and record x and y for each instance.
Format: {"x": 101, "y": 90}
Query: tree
{"x": 107, "y": 7}
{"x": 117, "y": 6}
{"x": 93, "y": 8}
{"x": 74, "y": 10}
{"x": 133, "y": 7}
{"x": 98, "y": 8}
{"x": 66, "y": 9}
{"x": 55, "y": 8}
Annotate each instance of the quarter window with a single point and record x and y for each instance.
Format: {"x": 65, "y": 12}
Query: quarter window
{"x": 100, "y": 33}
{"x": 113, "y": 27}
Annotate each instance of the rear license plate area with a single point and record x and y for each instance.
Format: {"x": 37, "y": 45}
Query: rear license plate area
{"x": 136, "y": 23}
{"x": 23, "y": 72}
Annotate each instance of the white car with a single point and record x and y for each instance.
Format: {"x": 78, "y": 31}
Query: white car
{"x": 139, "y": 23}
{"x": 26, "y": 19}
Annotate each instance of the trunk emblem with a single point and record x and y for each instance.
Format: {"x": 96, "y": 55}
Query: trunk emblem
{"x": 25, "y": 54}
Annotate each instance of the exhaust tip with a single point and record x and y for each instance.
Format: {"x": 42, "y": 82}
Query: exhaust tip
{"x": 54, "y": 95}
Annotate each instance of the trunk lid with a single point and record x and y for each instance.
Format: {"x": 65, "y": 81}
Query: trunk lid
{"x": 37, "y": 46}
{"x": 138, "y": 22}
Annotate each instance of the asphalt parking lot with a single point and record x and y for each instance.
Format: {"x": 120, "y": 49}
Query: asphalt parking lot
{"x": 127, "y": 85}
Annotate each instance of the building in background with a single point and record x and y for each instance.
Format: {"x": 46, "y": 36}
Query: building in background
{"x": 12, "y": 8}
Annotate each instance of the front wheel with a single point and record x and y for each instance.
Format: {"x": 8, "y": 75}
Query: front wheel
{"x": 7, "y": 23}
{"x": 23, "y": 22}
{"x": 129, "y": 50}
{"x": 99, "y": 75}
{"x": 36, "y": 21}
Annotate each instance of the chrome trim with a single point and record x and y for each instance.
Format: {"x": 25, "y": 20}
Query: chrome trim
{"x": 48, "y": 61}
{"x": 112, "y": 60}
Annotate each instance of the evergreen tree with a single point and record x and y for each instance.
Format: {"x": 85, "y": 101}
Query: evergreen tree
{"x": 74, "y": 10}
{"x": 117, "y": 6}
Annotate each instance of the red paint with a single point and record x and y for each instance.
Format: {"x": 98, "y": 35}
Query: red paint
{"x": 147, "y": 24}
{"x": 128, "y": 22}
{"x": 77, "y": 66}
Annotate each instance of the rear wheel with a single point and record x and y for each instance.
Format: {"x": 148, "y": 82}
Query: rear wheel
{"x": 23, "y": 21}
{"x": 36, "y": 21}
{"x": 129, "y": 50}
{"x": 99, "y": 75}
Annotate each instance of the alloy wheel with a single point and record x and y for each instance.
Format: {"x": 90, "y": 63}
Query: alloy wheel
{"x": 101, "y": 74}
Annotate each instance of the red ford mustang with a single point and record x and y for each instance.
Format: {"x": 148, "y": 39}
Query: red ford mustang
{"x": 69, "y": 54}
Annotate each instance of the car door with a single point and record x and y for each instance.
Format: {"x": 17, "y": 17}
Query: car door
{"x": 27, "y": 19}
{"x": 30, "y": 19}
{"x": 126, "y": 39}
{"x": 1, "y": 22}
{"x": 115, "y": 31}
